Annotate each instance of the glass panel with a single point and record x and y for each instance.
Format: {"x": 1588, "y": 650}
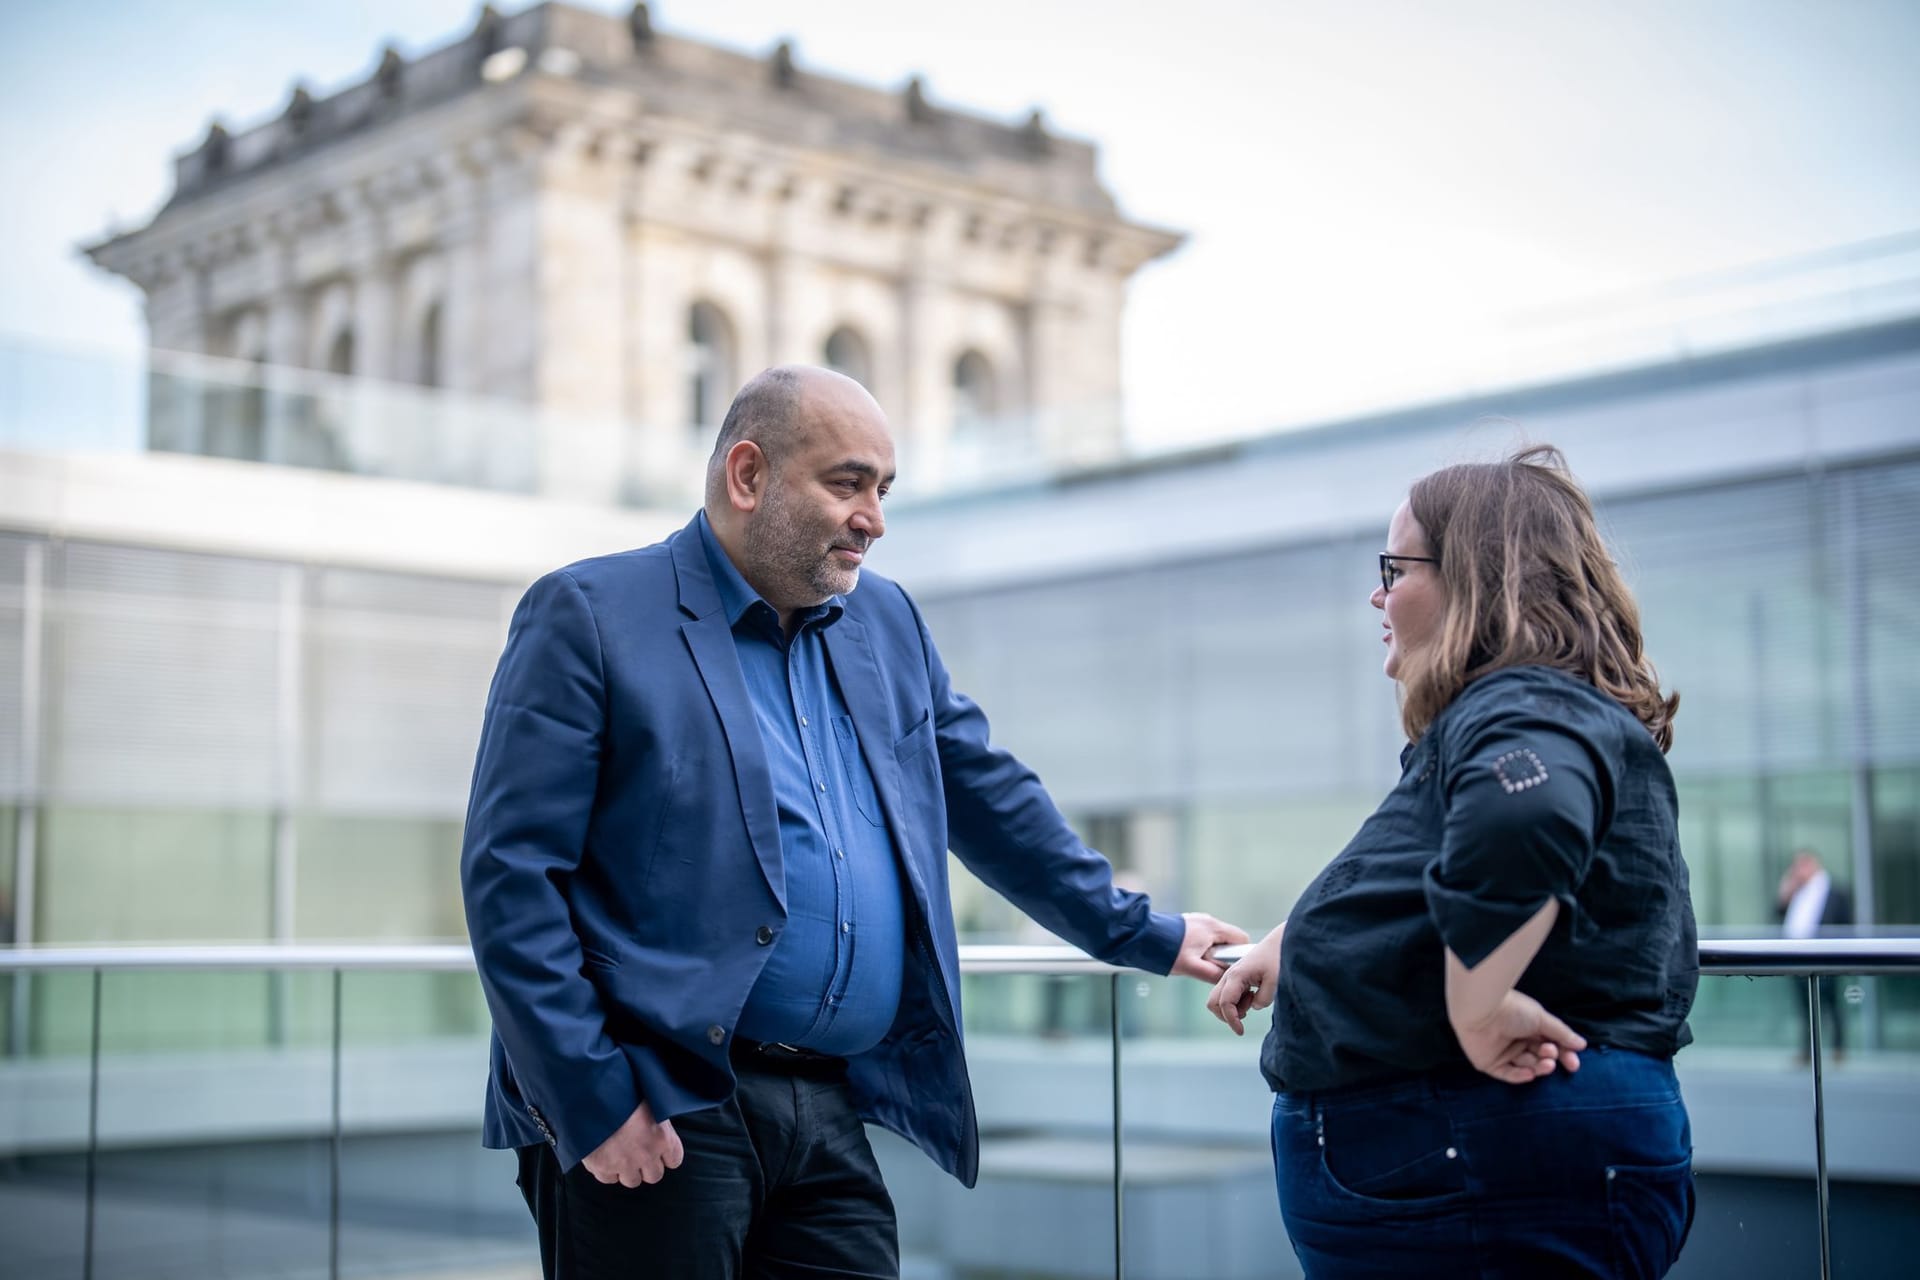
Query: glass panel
{"x": 43, "y": 1144}
{"x": 414, "y": 861}
{"x": 1039, "y": 1053}
{"x": 9, "y": 869}
{"x": 214, "y": 1143}
{"x": 1873, "y": 1131}
{"x": 418, "y": 1194}
{"x": 1753, "y": 1152}
{"x": 1200, "y": 1196}
{"x": 1249, "y": 862}
{"x": 13, "y": 987}
{"x": 176, "y": 876}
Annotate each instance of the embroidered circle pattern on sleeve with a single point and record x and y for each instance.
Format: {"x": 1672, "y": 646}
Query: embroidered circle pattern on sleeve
{"x": 1518, "y": 770}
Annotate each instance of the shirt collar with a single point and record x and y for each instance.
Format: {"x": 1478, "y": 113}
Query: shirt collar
{"x": 737, "y": 596}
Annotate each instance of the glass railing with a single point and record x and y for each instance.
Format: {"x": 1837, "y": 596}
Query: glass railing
{"x": 55, "y": 400}
{"x": 62, "y": 401}
{"x": 70, "y": 401}
{"x": 314, "y": 1112}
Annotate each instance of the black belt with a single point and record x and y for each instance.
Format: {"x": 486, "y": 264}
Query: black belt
{"x": 785, "y": 1059}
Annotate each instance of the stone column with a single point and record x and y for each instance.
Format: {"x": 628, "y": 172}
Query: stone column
{"x": 287, "y": 406}
{"x": 918, "y": 417}
{"x": 176, "y": 308}
{"x": 378, "y": 435}
{"x": 177, "y": 391}
{"x": 580, "y": 341}
{"x": 374, "y": 318}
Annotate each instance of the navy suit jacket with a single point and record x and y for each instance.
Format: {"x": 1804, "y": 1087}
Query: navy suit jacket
{"x": 622, "y": 863}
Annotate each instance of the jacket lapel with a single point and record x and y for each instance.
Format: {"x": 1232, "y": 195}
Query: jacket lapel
{"x": 865, "y": 693}
{"x": 710, "y": 640}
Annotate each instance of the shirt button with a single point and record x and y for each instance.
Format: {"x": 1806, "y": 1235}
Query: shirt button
{"x": 763, "y": 935}
{"x": 839, "y": 853}
{"x": 803, "y": 722}
{"x": 823, "y": 786}
{"x": 845, "y": 927}
{"x": 716, "y": 1034}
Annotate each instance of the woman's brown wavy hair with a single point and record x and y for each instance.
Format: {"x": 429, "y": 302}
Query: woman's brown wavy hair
{"x": 1528, "y": 582}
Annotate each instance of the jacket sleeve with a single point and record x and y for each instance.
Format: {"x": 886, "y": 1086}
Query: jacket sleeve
{"x": 1528, "y": 796}
{"x": 1006, "y": 828}
{"x": 533, "y": 791}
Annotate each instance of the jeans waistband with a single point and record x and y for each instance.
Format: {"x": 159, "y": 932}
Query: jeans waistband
{"x": 1607, "y": 1076}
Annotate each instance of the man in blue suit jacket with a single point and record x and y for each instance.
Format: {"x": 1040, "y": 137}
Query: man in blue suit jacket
{"x": 705, "y": 869}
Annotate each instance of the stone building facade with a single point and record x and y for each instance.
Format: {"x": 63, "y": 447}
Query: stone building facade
{"x": 577, "y": 212}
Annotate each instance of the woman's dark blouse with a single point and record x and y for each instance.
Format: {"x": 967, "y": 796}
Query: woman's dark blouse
{"x": 1531, "y": 784}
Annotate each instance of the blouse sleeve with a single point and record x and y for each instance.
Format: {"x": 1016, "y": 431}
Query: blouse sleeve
{"x": 1528, "y": 793}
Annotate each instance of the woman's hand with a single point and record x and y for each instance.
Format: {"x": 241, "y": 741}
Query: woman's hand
{"x": 1519, "y": 1041}
{"x": 1248, "y": 985}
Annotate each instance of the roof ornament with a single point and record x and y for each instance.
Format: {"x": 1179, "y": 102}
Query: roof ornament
{"x": 1034, "y": 133}
{"x": 213, "y": 152}
{"x": 783, "y": 69}
{"x": 486, "y": 33}
{"x": 299, "y": 112}
{"x": 392, "y": 65}
{"x": 919, "y": 110}
{"x": 640, "y": 24}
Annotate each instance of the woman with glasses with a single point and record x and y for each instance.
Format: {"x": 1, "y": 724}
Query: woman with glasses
{"x": 1476, "y": 1004}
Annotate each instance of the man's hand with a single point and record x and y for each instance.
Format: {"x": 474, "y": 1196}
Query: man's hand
{"x": 1248, "y": 985}
{"x": 640, "y": 1151}
{"x": 1520, "y": 1041}
{"x": 1203, "y": 934}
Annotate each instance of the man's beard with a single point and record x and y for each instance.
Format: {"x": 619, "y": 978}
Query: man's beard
{"x": 796, "y": 554}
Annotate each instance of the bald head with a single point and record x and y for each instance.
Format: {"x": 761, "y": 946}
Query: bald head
{"x": 795, "y": 484}
{"x": 773, "y": 411}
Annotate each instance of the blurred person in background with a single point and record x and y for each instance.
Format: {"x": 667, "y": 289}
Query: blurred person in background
{"x": 705, "y": 870}
{"x": 1476, "y": 1004}
{"x": 1808, "y": 902}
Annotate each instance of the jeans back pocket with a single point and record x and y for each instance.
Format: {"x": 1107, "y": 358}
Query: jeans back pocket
{"x": 1397, "y": 1150}
{"x": 1649, "y": 1213}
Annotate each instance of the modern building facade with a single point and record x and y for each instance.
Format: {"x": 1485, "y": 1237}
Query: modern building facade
{"x": 240, "y": 702}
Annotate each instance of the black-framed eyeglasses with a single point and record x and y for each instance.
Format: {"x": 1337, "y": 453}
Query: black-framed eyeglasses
{"x": 1391, "y": 573}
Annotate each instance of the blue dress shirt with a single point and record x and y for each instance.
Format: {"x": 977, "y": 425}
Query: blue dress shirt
{"x": 832, "y": 983}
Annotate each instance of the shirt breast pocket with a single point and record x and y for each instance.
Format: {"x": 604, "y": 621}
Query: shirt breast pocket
{"x": 854, "y": 766}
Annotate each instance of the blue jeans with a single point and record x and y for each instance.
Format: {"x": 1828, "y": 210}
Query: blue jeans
{"x": 1456, "y": 1176}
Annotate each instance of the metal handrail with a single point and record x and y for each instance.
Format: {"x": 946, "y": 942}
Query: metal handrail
{"x": 1806, "y": 959}
{"x": 1721, "y": 957}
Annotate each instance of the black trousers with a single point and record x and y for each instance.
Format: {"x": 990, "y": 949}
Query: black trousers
{"x": 778, "y": 1183}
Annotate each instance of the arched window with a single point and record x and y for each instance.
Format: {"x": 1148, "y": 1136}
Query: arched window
{"x": 247, "y": 335}
{"x": 428, "y": 374}
{"x": 976, "y": 398}
{"x": 847, "y": 352}
{"x": 340, "y": 353}
{"x": 710, "y": 370}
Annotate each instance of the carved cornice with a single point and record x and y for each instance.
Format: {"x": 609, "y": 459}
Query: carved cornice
{"x": 652, "y": 163}
{"x": 775, "y": 97}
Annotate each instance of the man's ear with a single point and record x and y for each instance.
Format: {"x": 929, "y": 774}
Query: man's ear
{"x": 747, "y": 474}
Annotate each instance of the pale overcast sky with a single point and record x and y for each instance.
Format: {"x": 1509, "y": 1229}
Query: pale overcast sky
{"x": 1370, "y": 187}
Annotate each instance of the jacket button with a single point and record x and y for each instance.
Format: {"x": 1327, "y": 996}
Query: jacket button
{"x": 716, "y": 1034}
{"x": 763, "y": 935}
